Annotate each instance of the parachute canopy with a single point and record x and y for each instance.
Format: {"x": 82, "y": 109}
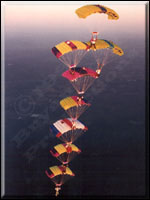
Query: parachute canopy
{"x": 59, "y": 170}
{"x": 87, "y": 10}
{"x": 74, "y": 106}
{"x": 105, "y": 44}
{"x": 70, "y": 52}
{"x": 64, "y": 152}
{"x": 81, "y": 78}
{"x": 59, "y": 175}
{"x": 68, "y": 130}
{"x": 103, "y": 51}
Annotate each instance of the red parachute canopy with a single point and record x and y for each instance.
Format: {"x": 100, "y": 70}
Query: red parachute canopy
{"x": 81, "y": 78}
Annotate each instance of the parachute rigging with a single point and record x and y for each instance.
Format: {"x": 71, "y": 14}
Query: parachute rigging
{"x": 65, "y": 152}
{"x": 74, "y": 106}
{"x": 81, "y": 78}
{"x": 103, "y": 50}
{"x": 59, "y": 175}
{"x": 68, "y": 130}
{"x": 70, "y": 52}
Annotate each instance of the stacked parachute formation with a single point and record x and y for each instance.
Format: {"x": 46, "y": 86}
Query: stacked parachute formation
{"x": 71, "y": 52}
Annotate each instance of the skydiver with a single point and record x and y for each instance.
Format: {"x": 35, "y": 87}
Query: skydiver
{"x": 93, "y": 40}
{"x": 79, "y": 99}
{"x": 92, "y": 43}
{"x": 68, "y": 148}
{"x": 63, "y": 168}
{"x": 99, "y": 69}
{"x": 57, "y": 190}
{"x": 72, "y": 70}
{"x": 73, "y": 125}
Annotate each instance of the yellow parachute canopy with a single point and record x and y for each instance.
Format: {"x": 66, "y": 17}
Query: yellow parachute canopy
{"x": 65, "y": 152}
{"x": 59, "y": 175}
{"x": 68, "y": 46}
{"x": 74, "y": 106}
{"x": 60, "y": 148}
{"x": 68, "y": 103}
{"x": 87, "y": 10}
{"x": 103, "y": 44}
{"x": 117, "y": 50}
{"x": 70, "y": 52}
{"x": 57, "y": 171}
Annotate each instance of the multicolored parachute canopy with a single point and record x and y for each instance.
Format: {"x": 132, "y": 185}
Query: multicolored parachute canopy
{"x": 81, "y": 78}
{"x": 70, "y": 52}
{"x": 87, "y": 10}
{"x": 59, "y": 170}
{"x": 59, "y": 175}
{"x": 74, "y": 106}
{"x": 68, "y": 130}
{"x": 104, "y": 51}
{"x": 105, "y": 44}
{"x": 64, "y": 152}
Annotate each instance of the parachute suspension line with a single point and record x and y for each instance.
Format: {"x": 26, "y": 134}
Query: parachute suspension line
{"x": 85, "y": 78}
{"x": 111, "y": 56}
{"x": 82, "y": 83}
{"x": 95, "y": 54}
{"x": 101, "y": 57}
{"x": 79, "y": 56}
{"x": 72, "y": 112}
{"x": 72, "y": 58}
{"x": 106, "y": 56}
{"x": 75, "y": 57}
{"x": 64, "y": 60}
{"x": 85, "y": 82}
{"x": 89, "y": 82}
{"x": 80, "y": 110}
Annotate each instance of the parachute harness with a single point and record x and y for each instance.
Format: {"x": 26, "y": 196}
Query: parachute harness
{"x": 93, "y": 40}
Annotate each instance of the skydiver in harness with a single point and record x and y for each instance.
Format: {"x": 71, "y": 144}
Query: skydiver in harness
{"x": 93, "y": 40}
{"x": 79, "y": 99}
{"x": 99, "y": 69}
{"x": 93, "y": 44}
{"x": 57, "y": 188}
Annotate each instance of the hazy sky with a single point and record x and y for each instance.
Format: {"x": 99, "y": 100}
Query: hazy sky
{"x": 56, "y": 18}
